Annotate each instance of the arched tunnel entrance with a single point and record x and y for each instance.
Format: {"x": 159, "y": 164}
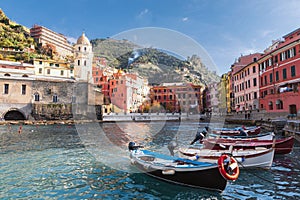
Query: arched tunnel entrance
{"x": 14, "y": 115}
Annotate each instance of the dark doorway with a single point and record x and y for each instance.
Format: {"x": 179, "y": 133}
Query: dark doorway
{"x": 14, "y": 115}
{"x": 293, "y": 109}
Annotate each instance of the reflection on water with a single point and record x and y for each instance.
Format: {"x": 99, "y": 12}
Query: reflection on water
{"x": 84, "y": 162}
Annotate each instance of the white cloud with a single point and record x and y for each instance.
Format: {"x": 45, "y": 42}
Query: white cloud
{"x": 265, "y": 33}
{"x": 144, "y": 12}
{"x": 185, "y": 19}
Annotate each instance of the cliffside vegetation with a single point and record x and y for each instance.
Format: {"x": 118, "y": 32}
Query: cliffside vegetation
{"x": 156, "y": 65}
{"x": 17, "y": 45}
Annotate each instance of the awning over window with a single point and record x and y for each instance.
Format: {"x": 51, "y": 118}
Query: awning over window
{"x": 288, "y": 82}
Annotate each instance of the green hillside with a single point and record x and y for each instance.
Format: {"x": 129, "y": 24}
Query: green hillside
{"x": 156, "y": 65}
{"x": 15, "y": 41}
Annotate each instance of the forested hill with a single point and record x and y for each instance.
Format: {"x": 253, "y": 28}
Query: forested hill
{"x": 16, "y": 44}
{"x": 13, "y": 36}
{"x": 156, "y": 65}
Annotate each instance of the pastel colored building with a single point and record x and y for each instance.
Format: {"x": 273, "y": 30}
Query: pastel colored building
{"x": 83, "y": 59}
{"x": 280, "y": 75}
{"x": 229, "y": 91}
{"x": 244, "y": 78}
{"x": 247, "y": 87}
{"x": 53, "y": 68}
{"x": 212, "y": 97}
{"x": 178, "y": 97}
{"x": 127, "y": 92}
{"x": 25, "y": 94}
{"x": 224, "y": 93}
{"x": 43, "y": 36}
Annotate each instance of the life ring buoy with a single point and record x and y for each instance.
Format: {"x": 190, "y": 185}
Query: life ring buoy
{"x": 228, "y": 167}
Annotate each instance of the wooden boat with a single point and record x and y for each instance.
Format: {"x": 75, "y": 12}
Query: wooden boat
{"x": 261, "y": 136}
{"x": 252, "y": 130}
{"x": 206, "y": 175}
{"x": 282, "y": 146}
{"x": 249, "y": 158}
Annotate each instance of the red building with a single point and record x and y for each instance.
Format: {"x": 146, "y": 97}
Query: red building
{"x": 101, "y": 75}
{"x": 178, "y": 97}
{"x": 280, "y": 75}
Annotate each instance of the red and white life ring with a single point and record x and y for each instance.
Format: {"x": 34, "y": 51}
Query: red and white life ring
{"x": 228, "y": 167}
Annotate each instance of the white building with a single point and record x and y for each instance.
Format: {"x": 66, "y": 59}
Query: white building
{"x": 83, "y": 59}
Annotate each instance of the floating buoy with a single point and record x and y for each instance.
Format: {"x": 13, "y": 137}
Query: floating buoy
{"x": 20, "y": 129}
{"x": 168, "y": 172}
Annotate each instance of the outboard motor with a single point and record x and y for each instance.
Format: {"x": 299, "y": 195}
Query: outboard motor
{"x": 132, "y": 146}
{"x": 242, "y": 132}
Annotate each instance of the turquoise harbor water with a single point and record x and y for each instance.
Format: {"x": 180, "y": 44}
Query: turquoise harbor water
{"x": 90, "y": 162}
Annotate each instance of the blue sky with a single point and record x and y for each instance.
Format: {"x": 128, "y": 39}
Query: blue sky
{"x": 225, "y": 29}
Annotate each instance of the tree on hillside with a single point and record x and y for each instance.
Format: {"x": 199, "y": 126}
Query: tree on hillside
{"x": 49, "y": 50}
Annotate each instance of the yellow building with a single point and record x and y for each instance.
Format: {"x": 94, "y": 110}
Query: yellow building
{"x": 228, "y": 92}
{"x": 53, "y": 68}
{"x": 222, "y": 87}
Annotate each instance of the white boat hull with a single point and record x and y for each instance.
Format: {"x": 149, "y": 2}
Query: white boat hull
{"x": 252, "y": 158}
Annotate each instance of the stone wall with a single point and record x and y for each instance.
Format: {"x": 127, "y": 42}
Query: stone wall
{"x": 52, "y": 111}
{"x": 48, "y": 88}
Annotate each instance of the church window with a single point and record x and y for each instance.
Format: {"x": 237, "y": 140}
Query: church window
{"x": 23, "y": 89}
{"x": 6, "y": 88}
{"x": 36, "y": 97}
{"x": 54, "y": 98}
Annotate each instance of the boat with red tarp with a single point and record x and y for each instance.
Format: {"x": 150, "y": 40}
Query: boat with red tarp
{"x": 282, "y": 145}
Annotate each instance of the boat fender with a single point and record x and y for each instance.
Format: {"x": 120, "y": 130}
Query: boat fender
{"x": 168, "y": 172}
{"x": 228, "y": 167}
{"x": 196, "y": 157}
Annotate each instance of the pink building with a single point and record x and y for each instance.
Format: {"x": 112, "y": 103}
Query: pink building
{"x": 127, "y": 91}
{"x": 245, "y": 84}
